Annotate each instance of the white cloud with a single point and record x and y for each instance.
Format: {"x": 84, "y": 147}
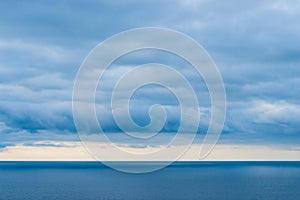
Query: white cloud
{"x": 290, "y": 7}
{"x": 274, "y": 112}
{"x": 49, "y": 52}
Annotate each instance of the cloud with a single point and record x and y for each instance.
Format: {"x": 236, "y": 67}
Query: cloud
{"x": 11, "y": 135}
{"x": 71, "y": 151}
{"x": 275, "y": 113}
{"x": 51, "y": 144}
{"x": 3, "y": 146}
{"x": 33, "y": 117}
{"x": 254, "y": 44}
{"x": 46, "y": 52}
{"x": 263, "y": 121}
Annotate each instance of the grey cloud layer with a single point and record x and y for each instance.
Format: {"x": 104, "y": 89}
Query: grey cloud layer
{"x": 254, "y": 44}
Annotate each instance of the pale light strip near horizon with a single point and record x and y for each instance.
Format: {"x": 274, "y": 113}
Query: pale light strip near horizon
{"x": 74, "y": 151}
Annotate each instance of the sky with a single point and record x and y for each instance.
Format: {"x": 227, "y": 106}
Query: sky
{"x": 255, "y": 45}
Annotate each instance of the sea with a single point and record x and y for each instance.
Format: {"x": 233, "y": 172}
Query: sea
{"x": 181, "y": 180}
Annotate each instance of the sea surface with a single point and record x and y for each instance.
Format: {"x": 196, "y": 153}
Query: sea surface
{"x": 181, "y": 180}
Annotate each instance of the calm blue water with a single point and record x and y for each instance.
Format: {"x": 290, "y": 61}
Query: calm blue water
{"x": 182, "y": 180}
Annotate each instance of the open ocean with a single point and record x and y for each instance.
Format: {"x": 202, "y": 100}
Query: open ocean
{"x": 181, "y": 180}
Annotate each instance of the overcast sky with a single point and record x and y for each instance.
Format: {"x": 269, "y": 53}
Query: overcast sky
{"x": 255, "y": 45}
